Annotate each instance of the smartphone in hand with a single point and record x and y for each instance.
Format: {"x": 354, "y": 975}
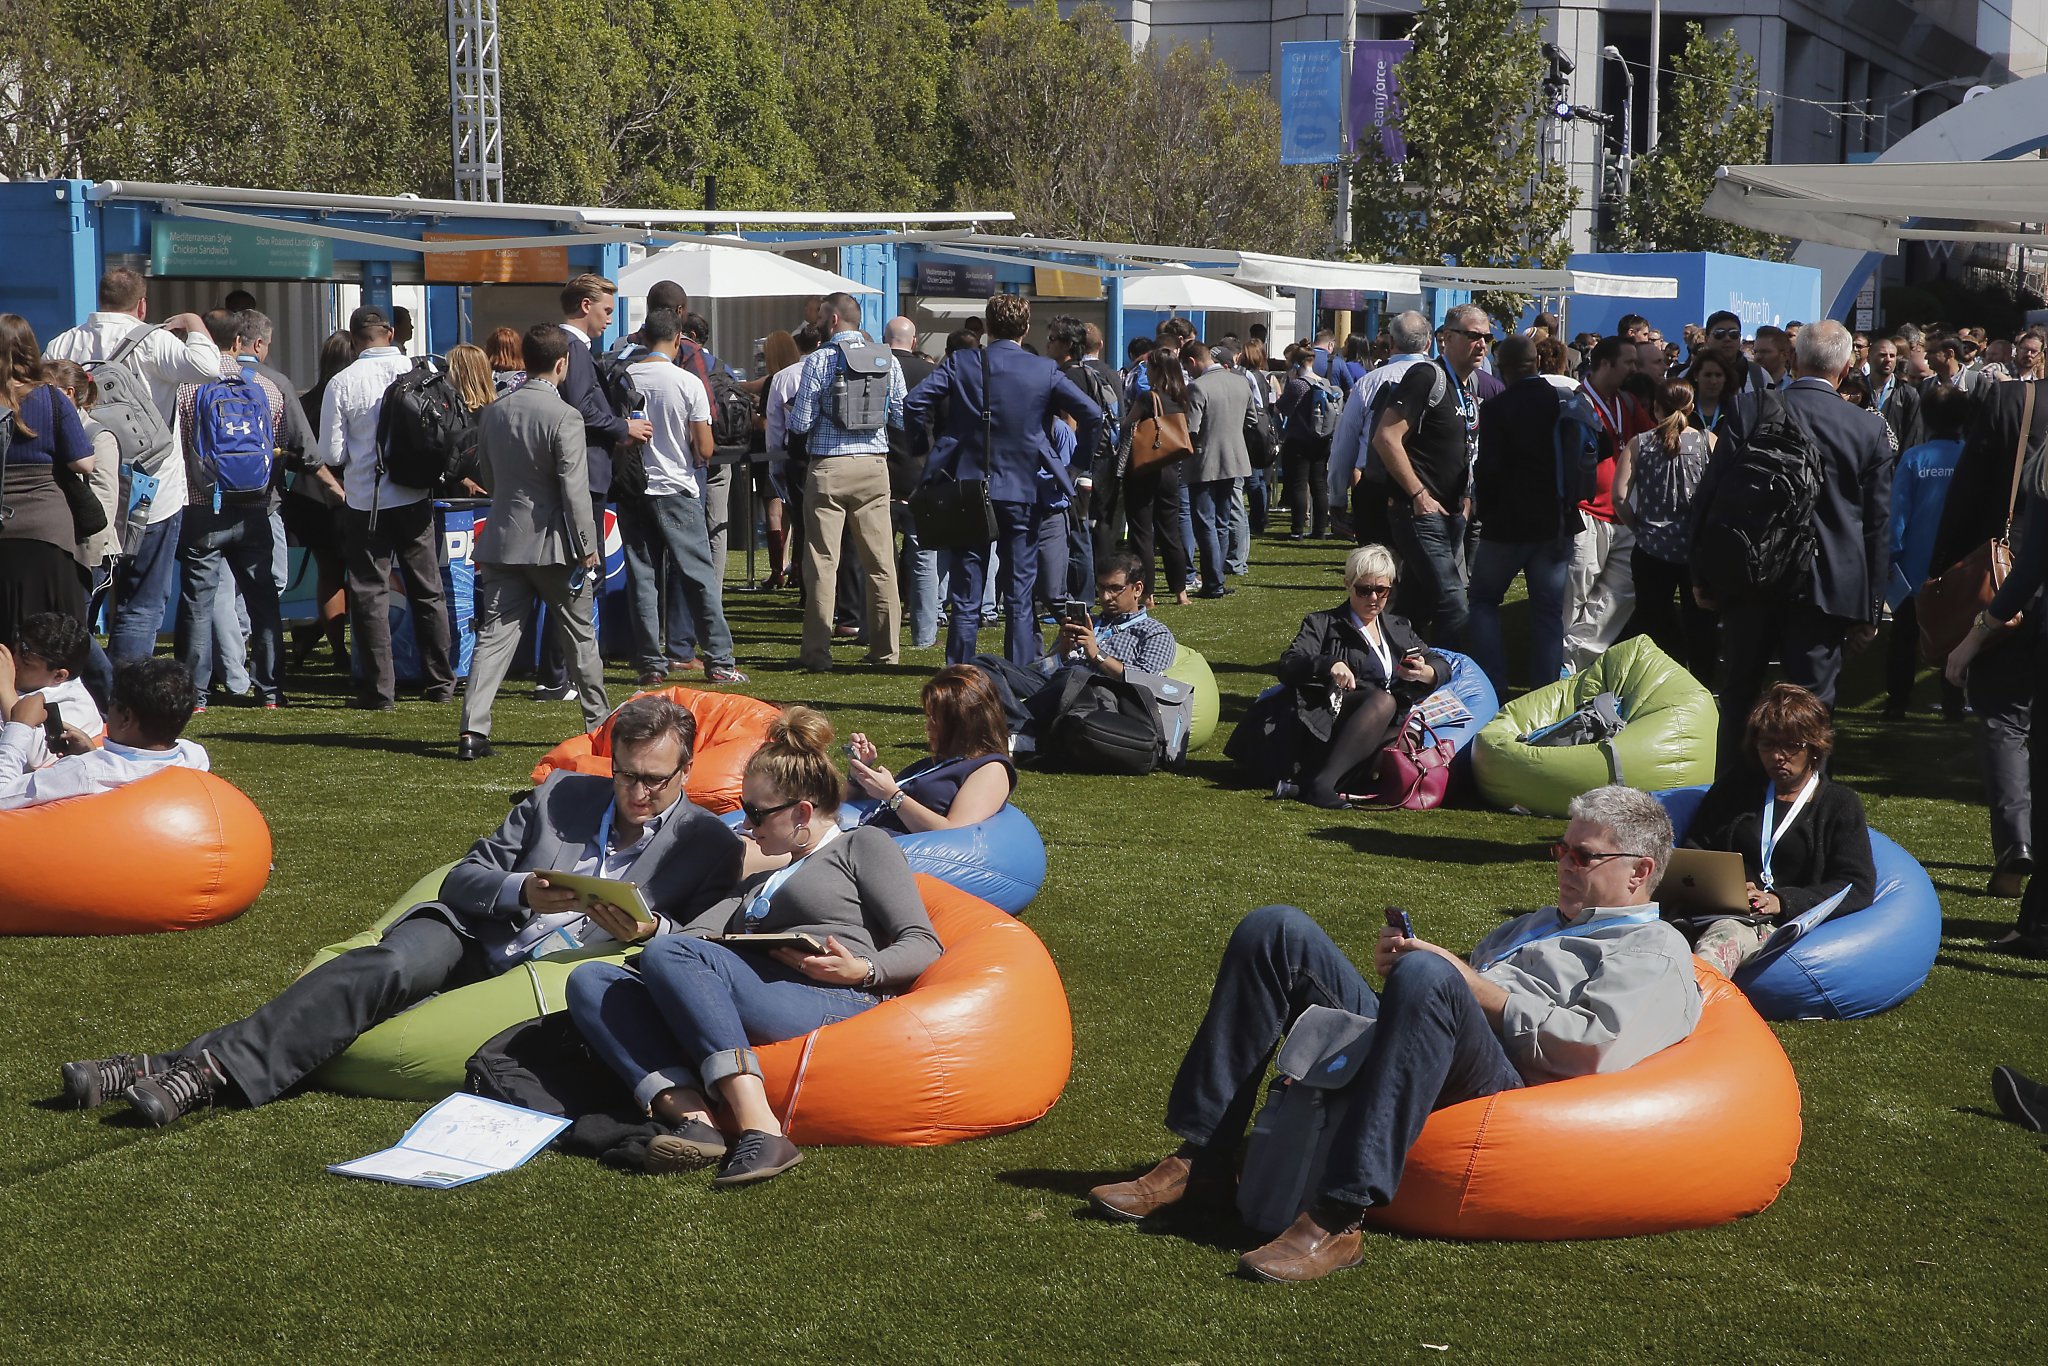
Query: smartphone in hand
{"x": 1398, "y": 919}
{"x": 1074, "y": 612}
{"x": 53, "y": 727}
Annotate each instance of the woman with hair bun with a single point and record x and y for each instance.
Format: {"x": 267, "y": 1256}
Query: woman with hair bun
{"x": 680, "y": 1023}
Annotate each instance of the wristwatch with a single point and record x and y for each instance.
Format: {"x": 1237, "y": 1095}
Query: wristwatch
{"x": 895, "y": 800}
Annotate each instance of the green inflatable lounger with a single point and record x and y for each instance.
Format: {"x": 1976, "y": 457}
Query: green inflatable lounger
{"x": 1192, "y": 668}
{"x": 1667, "y": 740}
{"x": 412, "y": 1055}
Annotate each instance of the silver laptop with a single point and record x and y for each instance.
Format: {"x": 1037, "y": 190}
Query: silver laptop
{"x": 1704, "y": 882}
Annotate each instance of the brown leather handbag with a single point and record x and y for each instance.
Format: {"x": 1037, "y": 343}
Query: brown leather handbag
{"x": 1160, "y": 439}
{"x": 1948, "y": 605}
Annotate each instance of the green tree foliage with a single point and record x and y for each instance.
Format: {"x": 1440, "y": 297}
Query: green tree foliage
{"x": 636, "y": 101}
{"x": 870, "y": 81}
{"x": 1713, "y": 119}
{"x": 1081, "y": 138}
{"x": 1473, "y": 190}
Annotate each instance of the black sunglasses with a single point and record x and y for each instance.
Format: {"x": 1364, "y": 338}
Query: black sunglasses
{"x": 1583, "y": 859}
{"x": 1468, "y": 332}
{"x": 1726, "y": 334}
{"x": 756, "y": 815}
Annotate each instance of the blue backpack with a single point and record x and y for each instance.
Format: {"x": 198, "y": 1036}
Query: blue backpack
{"x": 232, "y": 435}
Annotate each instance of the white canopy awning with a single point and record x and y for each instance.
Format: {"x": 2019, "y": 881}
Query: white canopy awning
{"x": 1872, "y": 206}
{"x": 1190, "y": 291}
{"x": 1604, "y": 283}
{"x": 720, "y": 272}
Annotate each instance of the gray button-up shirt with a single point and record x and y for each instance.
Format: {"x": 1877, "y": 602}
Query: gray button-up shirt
{"x": 1602, "y": 995}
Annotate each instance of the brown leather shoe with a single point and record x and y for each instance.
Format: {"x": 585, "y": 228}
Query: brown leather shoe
{"x": 1169, "y": 1183}
{"x": 1305, "y": 1252}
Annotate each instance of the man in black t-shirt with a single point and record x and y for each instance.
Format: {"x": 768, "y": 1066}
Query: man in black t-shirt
{"x": 1423, "y": 441}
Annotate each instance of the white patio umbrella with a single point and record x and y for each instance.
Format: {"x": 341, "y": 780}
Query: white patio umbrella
{"x": 1191, "y": 291}
{"x": 710, "y": 272}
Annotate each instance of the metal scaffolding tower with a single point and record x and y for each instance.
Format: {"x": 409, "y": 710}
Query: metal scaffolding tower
{"x": 475, "y": 133}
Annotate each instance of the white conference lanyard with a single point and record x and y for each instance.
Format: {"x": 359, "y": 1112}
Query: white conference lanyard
{"x": 757, "y": 904}
{"x": 1380, "y": 649}
{"x": 1771, "y": 836}
{"x": 1643, "y": 917}
{"x": 1612, "y": 421}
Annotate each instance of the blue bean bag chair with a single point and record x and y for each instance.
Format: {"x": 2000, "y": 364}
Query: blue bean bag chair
{"x": 1469, "y": 686}
{"x": 1001, "y": 860}
{"x": 1852, "y": 965}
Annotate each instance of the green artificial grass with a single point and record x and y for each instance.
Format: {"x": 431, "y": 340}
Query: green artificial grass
{"x": 1911, "y": 1227}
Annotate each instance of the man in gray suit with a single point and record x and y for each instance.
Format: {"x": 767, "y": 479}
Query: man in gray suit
{"x": 1218, "y": 399}
{"x": 530, "y": 443}
{"x": 496, "y": 909}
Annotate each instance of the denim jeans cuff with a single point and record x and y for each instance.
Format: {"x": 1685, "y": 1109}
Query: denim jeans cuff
{"x": 728, "y": 1062}
{"x": 667, "y": 1079}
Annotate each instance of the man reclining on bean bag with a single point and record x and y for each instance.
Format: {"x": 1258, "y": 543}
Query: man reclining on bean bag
{"x": 496, "y": 908}
{"x": 1594, "y": 984}
{"x": 151, "y": 702}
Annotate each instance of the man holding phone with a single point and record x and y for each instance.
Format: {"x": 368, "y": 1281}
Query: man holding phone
{"x": 1122, "y": 636}
{"x": 1594, "y": 984}
{"x": 496, "y": 908}
{"x": 151, "y": 702}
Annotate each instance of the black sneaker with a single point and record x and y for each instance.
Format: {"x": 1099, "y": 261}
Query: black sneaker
{"x": 176, "y": 1091}
{"x": 90, "y": 1084}
{"x": 685, "y": 1148}
{"x": 2020, "y": 1099}
{"x": 756, "y": 1156}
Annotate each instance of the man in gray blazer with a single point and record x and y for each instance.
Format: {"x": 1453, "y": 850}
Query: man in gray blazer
{"x": 1218, "y": 400}
{"x": 496, "y": 909}
{"x": 540, "y": 539}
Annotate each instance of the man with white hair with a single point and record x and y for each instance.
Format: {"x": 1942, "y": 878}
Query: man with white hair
{"x": 1806, "y": 619}
{"x": 1356, "y": 478}
{"x": 1596, "y": 983}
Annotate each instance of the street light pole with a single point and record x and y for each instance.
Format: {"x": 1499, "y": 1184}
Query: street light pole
{"x": 1628, "y": 113}
{"x": 1345, "y": 131}
{"x": 1656, "y": 61}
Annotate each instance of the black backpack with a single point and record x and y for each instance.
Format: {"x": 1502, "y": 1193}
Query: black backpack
{"x": 1094, "y": 724}
{"x": 732, "y": 414}
{"x": 1261, "y": 432}
{"x": 424, "y": 427}
{"x": 1756, "y": 533}
{"x": 544, "y": 1064}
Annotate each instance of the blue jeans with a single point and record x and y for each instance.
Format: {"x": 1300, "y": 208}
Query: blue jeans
{"x": 1543, "y": 565}
{"x": 1080, "y": 553}
{"x": 670, "y": 528}
{"x": 688, "y": 1016}
{"x": 1432, "y": 1047}
{"x": 1432, "y": 586}
{"x": 1017, "y": 527}
{"x": 917, "y": 570}
{"x": 1212, "y": 499}
{"x": 144, "y": 580}
{"x": 1187, "y": 515}
{"x": 237, "y": 539}
{"x": 1052, "y": 556}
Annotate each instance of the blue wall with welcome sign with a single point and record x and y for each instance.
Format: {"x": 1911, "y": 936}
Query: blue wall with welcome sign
{"x": 1758, "y": 292}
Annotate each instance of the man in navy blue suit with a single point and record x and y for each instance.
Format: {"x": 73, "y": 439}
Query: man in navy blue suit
{"x": 999, "y": 398}
{"x": 1806, "y": 622}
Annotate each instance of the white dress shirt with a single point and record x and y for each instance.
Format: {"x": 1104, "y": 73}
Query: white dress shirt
{"x": 113, "y": 765}
{"x": 348, "y": 429}
{"x": 165, "y": 362}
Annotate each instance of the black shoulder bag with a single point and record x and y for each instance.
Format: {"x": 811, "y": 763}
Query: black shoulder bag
{"x": 953, "y": 513}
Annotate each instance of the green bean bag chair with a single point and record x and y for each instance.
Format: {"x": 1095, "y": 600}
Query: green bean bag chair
{"x": 1192, "y": 668}
{"x": 1667, "y": 741}
{"x": 413, "y": 1055}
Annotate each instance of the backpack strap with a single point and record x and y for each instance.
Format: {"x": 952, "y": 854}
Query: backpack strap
{"x": 2019, "y": 455}
{"x": 128, "y": 346}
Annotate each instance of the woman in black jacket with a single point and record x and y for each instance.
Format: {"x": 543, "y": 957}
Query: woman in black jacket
{"x": 1354, "y": 672}
{"x": 1816, "y": 842}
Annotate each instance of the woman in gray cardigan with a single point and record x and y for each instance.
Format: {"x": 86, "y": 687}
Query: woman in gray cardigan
{"x": 679, "y": 1024}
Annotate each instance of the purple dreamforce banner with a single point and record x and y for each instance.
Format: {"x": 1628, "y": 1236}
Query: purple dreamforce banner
{"x": 1376, "y": 93}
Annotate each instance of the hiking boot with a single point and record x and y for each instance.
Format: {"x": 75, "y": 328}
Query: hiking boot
{"x": 91, "y": 1084}
{"x": 177, "y": 1091}
{"x": 755, "y": 1156}
{"x": 685, "y": 1148}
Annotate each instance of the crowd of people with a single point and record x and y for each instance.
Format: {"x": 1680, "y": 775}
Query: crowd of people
{"x": 1617, "y": 475}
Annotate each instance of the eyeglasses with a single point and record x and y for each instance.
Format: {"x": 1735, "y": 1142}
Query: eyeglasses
{"x": 1470, "y": 335}
{"x": 1582, "y": 859}
{"x": 1726, "y": 334}
{"x": 1371, "y": 590}
{"x": 1110, "y": 590}
{"x": 758, "y": 815}
{"x": 1768, "y": 746}
{"x": 646, "y": 782}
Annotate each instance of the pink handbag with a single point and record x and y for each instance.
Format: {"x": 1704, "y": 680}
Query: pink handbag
{"x": 1415, "y": 771}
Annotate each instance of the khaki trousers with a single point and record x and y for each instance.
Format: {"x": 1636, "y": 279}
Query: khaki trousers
{"x": 840, "y": 490}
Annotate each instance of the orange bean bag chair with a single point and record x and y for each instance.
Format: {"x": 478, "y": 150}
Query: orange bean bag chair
{"x": 981, "y": 1045}
{"x": 1699, "y": 1134}
{"x": 730, "y": 727}
{"x": 174, "y": 851}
